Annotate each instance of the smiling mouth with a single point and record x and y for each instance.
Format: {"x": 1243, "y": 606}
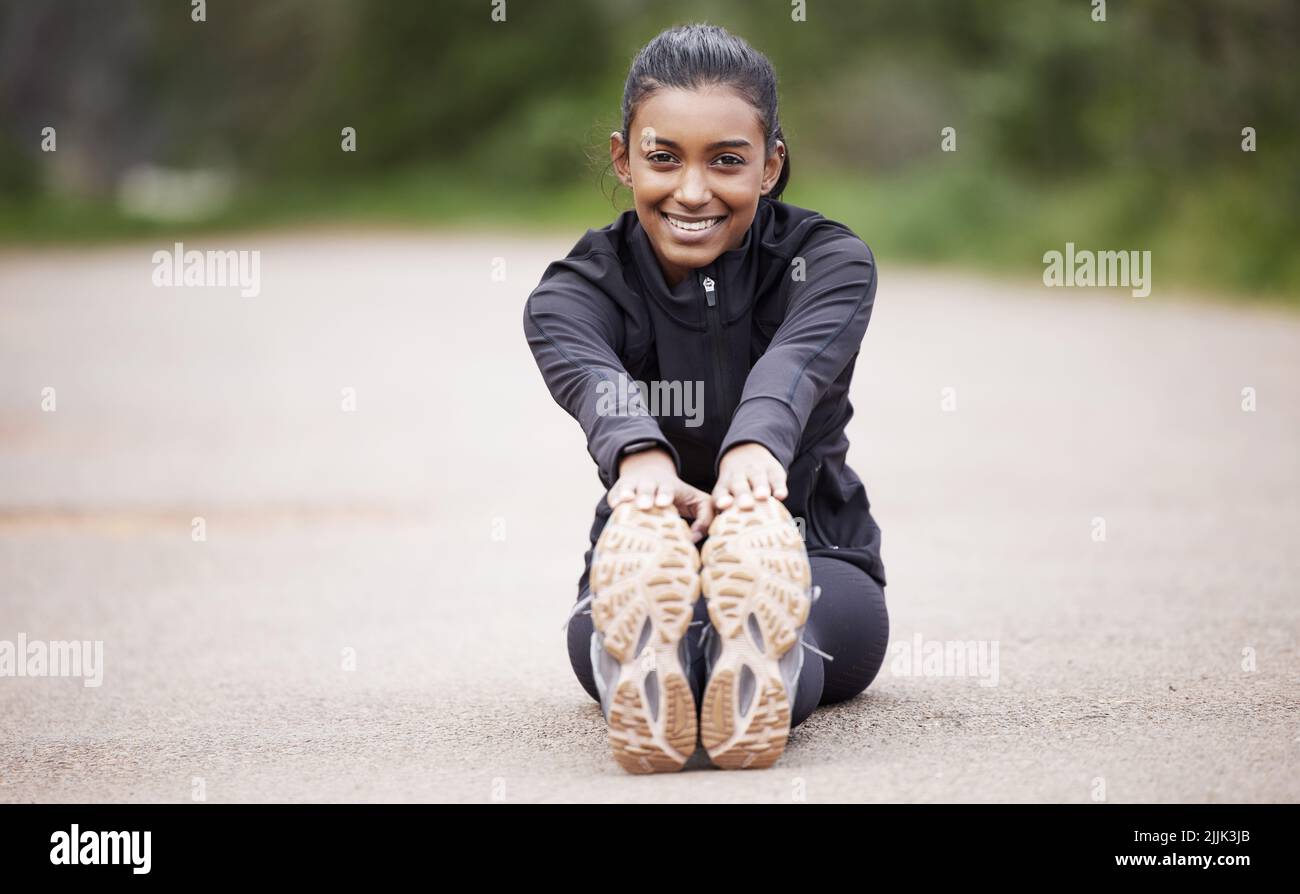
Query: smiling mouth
{"x": 693, "y": 226}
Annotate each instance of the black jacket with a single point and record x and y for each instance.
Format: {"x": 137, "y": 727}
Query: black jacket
{"x": 771, "y": 329}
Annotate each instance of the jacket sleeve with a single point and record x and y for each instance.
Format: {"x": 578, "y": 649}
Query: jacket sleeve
{"x": 575, "y": 331}
{"x": 822, "y": 332}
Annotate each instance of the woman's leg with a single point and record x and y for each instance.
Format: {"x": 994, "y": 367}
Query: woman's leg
{"x": 850, "y": 622}
{"x": 580, "y": 629}
{"x": 808, "y": 694}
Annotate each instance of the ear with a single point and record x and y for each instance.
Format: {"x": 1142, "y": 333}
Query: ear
{"x": 618, "y": 153}
{"x": 772, "y": 167}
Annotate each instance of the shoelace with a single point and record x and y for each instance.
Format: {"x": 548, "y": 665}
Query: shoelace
{"x": 585, "y": 600}
{"x": 816, "y": 594}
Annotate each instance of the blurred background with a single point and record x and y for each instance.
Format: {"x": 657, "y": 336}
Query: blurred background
{"x": 1118, "y": 134}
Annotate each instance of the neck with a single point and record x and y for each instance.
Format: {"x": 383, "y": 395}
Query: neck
{"x": 673, "y": 273}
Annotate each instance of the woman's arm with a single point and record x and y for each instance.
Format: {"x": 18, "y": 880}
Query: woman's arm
{"x": 822, "y": 331}
{"x": 575, "y": 332}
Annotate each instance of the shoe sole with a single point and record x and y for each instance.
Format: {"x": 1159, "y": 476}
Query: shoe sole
{"x": 644, "y": 582}
{"x": 756, "y": 579}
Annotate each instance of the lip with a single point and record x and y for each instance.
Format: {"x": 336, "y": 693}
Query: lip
{"x": 690, "y": 238}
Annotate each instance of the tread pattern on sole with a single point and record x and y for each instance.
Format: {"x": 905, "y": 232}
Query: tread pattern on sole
{"x": 645, "y": 567}
{"x": 755, "y": 565}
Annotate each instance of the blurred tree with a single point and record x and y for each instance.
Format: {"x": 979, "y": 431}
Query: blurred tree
{"x": 1148, "y": 105}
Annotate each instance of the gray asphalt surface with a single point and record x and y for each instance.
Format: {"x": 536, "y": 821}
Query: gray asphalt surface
{"x": 438, "y": 532}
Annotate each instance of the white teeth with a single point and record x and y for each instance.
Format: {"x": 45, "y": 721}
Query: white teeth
{"x": 700, "y": 225}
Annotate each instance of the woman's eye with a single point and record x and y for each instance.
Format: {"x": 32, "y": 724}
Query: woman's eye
{"x": 731, "y": 161}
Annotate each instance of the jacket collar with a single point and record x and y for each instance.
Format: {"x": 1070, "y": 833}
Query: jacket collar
{"x": 735, "y": 271}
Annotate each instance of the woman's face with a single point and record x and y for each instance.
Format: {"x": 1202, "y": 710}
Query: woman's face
{"x": 696, "y": 168}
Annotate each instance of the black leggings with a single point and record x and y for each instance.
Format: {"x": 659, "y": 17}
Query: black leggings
{"x": 849, "y": 622}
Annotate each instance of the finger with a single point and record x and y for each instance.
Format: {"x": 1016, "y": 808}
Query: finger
{"x": 721, "y": 496}
{"x": 664, "y": 495}
{"x": 645, "y": 493}
{"x": 760, "y": 484}
{"x": 779, "y": 489}
{"x": 740, "y": 488}
{"x": 619, "y": 493}
{"x": 703, "y": 517}
{"x": 687, "y": 499}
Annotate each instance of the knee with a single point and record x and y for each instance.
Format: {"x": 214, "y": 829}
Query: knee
{"x": 858, "y": 668}
{"x": 851, "y": 617}
{"x": 875, "y": 636}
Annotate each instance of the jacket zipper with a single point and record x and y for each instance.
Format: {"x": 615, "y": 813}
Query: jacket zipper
{"x": 714, "y": 315}
{"x": 815, "y": 528}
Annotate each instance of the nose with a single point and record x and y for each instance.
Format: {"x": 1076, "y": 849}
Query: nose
{"x": 693, "y": 188}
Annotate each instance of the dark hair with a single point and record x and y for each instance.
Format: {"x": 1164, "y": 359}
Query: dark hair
{"x": 689, "y": 57}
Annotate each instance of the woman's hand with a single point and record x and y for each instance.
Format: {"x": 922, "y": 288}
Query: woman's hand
{"x": 748, "y": 472}
{"x": 650, "y": 479}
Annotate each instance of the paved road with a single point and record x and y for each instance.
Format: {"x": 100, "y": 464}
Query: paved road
{"x": 437, "y": 532}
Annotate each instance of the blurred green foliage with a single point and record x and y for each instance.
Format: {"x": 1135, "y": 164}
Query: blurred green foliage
{"x": 1117, "y": 134}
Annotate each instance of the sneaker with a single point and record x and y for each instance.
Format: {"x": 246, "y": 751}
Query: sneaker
{"x": 758, "y": 584}
{"x": 644, "y": 583}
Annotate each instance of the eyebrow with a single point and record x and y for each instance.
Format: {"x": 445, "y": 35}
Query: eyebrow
{"x": 721, "y": 144}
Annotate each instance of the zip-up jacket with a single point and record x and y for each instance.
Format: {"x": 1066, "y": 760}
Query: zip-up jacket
{"x": 764, "y": 338}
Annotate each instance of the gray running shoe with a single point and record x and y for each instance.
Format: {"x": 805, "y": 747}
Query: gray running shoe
{"x": 644, "y": 583}
{"x": 758, "y": 583}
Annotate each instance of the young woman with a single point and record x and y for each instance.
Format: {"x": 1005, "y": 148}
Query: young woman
{"x": 712, "y": 288}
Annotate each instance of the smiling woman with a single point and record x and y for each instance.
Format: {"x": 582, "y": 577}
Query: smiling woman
{"x": 711, "y": 279}
{"x": 702, "y": 159}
